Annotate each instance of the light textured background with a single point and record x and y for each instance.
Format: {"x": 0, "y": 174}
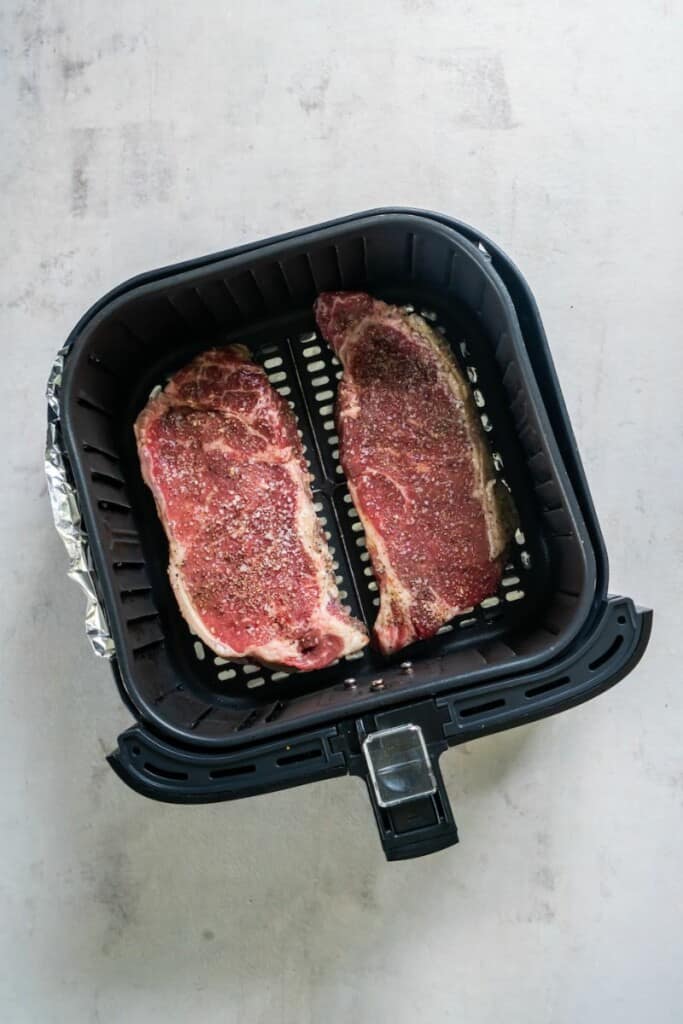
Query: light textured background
{"x": 140, "y": 134}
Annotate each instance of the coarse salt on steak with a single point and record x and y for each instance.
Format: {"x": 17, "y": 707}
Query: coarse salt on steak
{"x": 250, "y": 569}
{"x": 417, "y": 465}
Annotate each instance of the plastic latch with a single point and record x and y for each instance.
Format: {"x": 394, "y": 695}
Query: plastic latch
{"x": 399, "y": 765}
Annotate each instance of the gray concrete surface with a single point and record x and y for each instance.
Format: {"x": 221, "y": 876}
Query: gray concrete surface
{"x": 139, "y": 134}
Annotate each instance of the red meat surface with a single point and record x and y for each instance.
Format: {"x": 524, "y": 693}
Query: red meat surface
{"x": 417, "y": 465}
{"x": 248, "y": 563}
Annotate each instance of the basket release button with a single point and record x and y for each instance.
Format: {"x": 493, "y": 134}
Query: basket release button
{"x": 399, "y": 765}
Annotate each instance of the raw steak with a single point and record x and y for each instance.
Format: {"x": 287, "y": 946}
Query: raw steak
{"x": 417, "y": 465}
{"x": 252, "y": 574}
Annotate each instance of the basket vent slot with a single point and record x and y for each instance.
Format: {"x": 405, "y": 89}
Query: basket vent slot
{"x": 610, "y": 652}
{"x": 132, "y": 592}
{"x": 536, "y": 691}
{"x": 142, "y": 650}
{"x": 299, "y": 756}
{"x": 98, "y": 450}
{"x": 138, "y": 619}
{"x": 92, "y": 405}
{"x": 251, "y": 718}
{"x": 165, "y": 773}
{"x": 114, "y": 506}
{"x": 105, "y": 478}
{"x": 231, "y": 772}
{"x": 276, "y": 711}
{"x": 482, "y": 709}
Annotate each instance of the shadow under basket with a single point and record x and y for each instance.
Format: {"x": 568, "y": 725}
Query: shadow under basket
{"x": 209, "y": 729}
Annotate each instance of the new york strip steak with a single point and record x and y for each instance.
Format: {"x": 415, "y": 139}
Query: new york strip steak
{"x": 417, "y": 465}
{"x": 248, "y": 563}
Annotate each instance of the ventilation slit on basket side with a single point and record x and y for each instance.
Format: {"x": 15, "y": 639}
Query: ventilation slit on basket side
{"x": 536, "y": 691}
{"x": 86, "y": 402}
{"x": 340, "y": 272}
{"x": 364, "y": 242}
{"x": 311, "y": 271}
{"x": 106, "y": 478}
{"x": 143, "y": 649}
{"x": 136, "y": 620}
{"x": 257, "y": 288}
{"x": 231, "y": 772}
{"x": 114, "y": 506}
{"x": 200, "y": 718}
{"x": 125, "y": 535}
{"x": 482, "y": 709}
{"x": 165, "y": 773}
{"x": 178, "y": 314}
{"x": 296, "y": 758}
{"x": 132, "y": 592}
{"x": 237, "y": 313}
{"x": 410, "y": 254}
{"x": 167, "y": 693}
{"x": 251, "y": 718}
{"x": 98, "y": 450}
{"x": 276, "y": 711}
{"x": 133, "y": 335}
{"x": 284, "y": 278}
{"x": 205, "y": 306}
{"x": 611, "y": 650}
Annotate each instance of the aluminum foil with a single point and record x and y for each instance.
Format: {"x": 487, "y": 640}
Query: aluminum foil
{"x": 67, "y": 516}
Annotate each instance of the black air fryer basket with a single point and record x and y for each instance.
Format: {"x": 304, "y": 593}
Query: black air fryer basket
{"x": 211, "y": 730}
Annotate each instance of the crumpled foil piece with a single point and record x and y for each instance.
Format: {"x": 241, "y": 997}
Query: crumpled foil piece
{"x": 67, "y": 516}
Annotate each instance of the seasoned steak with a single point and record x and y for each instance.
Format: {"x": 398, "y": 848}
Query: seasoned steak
{"x": 417, "y": 464}
{"x": 250, "y": 569}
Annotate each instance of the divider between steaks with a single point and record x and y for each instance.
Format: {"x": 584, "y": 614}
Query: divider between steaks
{"x": 418, "y": 467}
{"x": 248, "y": 562}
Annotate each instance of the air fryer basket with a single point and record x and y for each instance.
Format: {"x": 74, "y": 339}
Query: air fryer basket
{"x": 182, "y": 695}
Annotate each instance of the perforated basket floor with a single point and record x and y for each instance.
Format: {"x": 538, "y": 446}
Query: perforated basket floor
{"x": 133, "y": 344}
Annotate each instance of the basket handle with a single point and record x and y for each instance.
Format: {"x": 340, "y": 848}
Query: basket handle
{"x": 407, "y": 791}
{"x": 418, "y": 827}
